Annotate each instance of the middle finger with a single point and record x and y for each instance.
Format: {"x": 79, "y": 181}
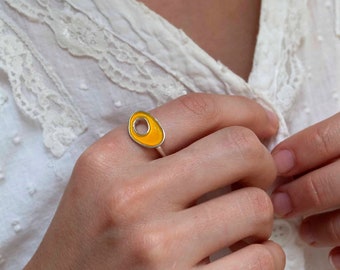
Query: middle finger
{"x": 218, "y": 160}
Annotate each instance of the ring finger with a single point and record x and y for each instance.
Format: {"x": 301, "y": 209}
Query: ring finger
{"x": 266, "y": 256}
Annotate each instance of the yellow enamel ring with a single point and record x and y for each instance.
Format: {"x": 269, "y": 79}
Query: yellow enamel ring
{"x": 145, "y": 130}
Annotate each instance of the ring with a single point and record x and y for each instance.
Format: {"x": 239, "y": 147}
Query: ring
{"x": 145, "y": 130}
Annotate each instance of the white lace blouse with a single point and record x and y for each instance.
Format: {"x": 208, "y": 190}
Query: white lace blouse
{"x": 71, "y": 70}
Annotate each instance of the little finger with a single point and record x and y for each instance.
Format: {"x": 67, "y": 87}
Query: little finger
{"x": 223, "y": 221}
{"x": 266, "y": 256}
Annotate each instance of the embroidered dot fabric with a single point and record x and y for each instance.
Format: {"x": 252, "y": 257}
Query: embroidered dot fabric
{"x": 71, "y": 70}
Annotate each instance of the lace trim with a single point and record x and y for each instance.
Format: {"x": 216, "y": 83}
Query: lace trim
{"x": 291, "y": 69}
{"x": 152, "y": 39}
{"x": 37, "y": 90}
{"x": 278, "y": 72}
{"x": 83, "y": 36}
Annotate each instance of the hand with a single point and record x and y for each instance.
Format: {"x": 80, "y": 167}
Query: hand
{"x": 126, "y": 208}
{"x": 312, "y": 158}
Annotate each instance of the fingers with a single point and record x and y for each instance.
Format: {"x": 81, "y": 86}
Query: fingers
{"x": 246, "y": 213}
{"x": 322, "y": 230}
{"x": 218, "y": 160}
{"x": 190, "y": 118}
{"x": 312, "y": 193}
{"x": 313, "y": 154}
{"x": 173, "y": 183}
{"x": 266, "y": 256}
{"x": 194, "y": 116}
{"x": 188, "y": 236}
{"x": 309, "y": 148}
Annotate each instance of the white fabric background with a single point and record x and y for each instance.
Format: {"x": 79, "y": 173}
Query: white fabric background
{"x": 296, "y": 70}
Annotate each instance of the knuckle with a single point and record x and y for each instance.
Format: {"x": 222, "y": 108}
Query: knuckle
{"x": 125, "y": 204}
{"x": 314, "y": 190}
{"x": 201, "y": 105}
{"x": 151, "y": 247}
{"x": 262, "y": 207}
{"x": 264, "y": 258}
{"x": 119, "y": 202}
{"x": 246, "y": 143}
{"x": 106, "y": 151}
{"x": 322, "y": 139}
{"x": 89, "y": 166}
{"x": 83, "y": 161}
{"x": 92, "y": 159}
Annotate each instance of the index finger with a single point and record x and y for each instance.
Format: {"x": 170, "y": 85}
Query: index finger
{"x": 310, "y": 148}
{"x": 191, "y": 117}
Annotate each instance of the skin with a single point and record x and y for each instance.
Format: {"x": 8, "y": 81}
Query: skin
{"x": 311, "y": 158}
{"x": 225, "y": 29}
{"x": 127, "y": 208}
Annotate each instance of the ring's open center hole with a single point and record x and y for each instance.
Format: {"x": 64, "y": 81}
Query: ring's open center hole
{"x": 141, "y": 126}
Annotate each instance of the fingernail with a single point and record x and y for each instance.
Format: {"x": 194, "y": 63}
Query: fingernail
{"x": 282, "y": 204}
{"x": 284, "y": 160}
{"x": 334, "y": 259}
{"x": 306, "y": 233}
{"x": 272, "y": 118}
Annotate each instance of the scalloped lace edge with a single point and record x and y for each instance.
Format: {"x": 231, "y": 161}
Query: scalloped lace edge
{"x": 37, "y": 90}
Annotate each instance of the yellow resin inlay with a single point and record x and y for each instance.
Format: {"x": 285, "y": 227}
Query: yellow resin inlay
{"x": 153, "y": 137}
